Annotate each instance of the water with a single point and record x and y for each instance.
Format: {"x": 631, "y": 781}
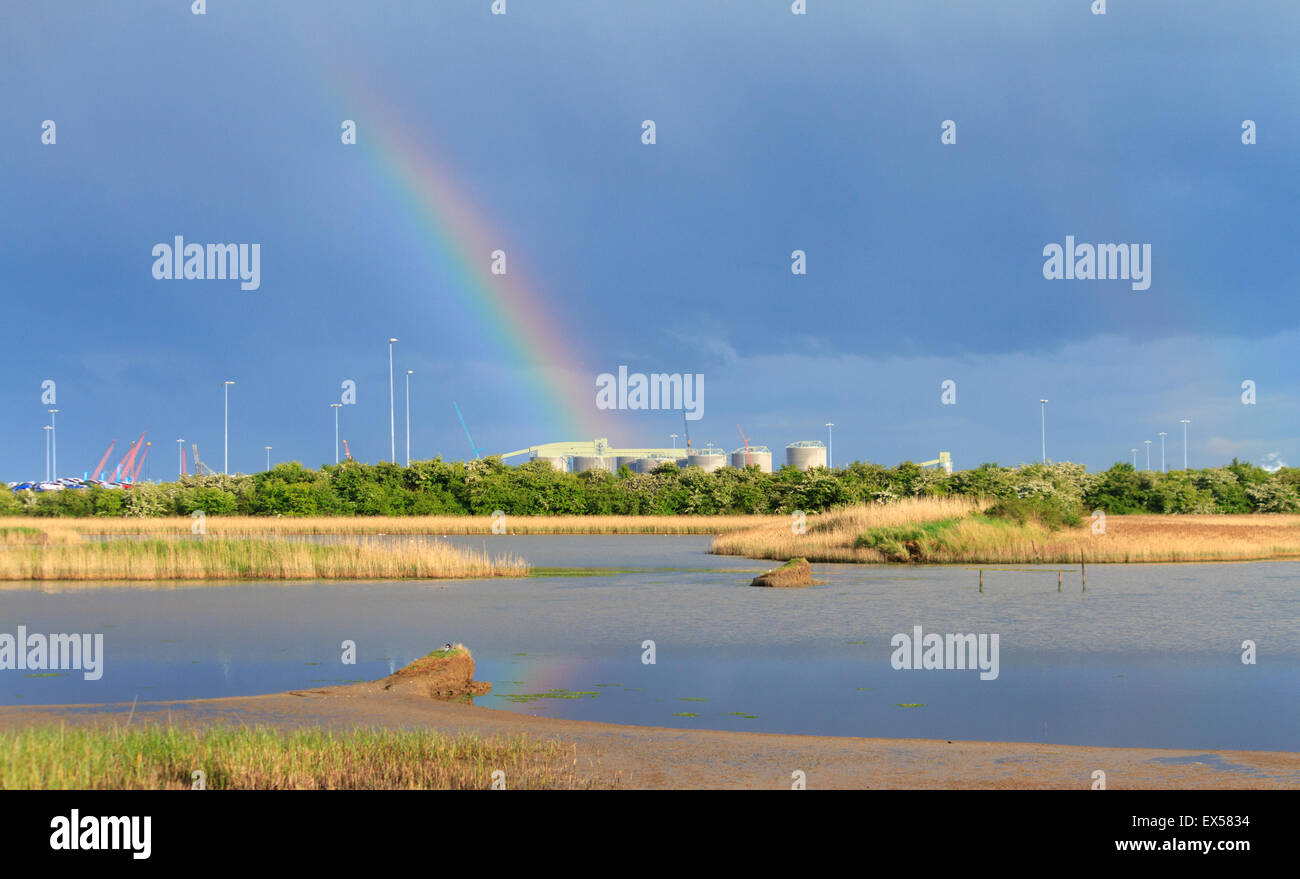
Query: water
{"x": 1149, "y": 656}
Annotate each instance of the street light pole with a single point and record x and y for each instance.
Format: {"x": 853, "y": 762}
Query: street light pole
{"x": 54, "y": 445}
{"x": 1162, "y": 452}
{"x": 392, "y": 419}
{"x": 409, "y": 372}
{"x": 225, "y": 450}
{"x": 674, "y": 438}
{"x": 268, "y": 458}
{"x": 47, "y": 452}
{"x": 337, "y": 407}
{"x": 1135, "y": 458}
{"x": 180, "y": 458}
{"x": 830, "y": 446}
{"x": 1184, "y": 422}
{"x": 1043, "y": 404}
{"x": 1148, "y": 444}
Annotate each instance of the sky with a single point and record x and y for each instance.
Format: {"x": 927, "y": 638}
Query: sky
{"x": 773, "y": 133}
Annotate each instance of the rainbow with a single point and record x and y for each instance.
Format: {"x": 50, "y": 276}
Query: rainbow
{"x": 509, "y": 308}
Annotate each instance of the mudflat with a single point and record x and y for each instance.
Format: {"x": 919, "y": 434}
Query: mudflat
{"x": 654, "y": 757}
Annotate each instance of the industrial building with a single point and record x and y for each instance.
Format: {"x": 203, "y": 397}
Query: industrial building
{"x": 579, "y": 457}
{"x": 755, "y": 456}
{"x": 806, "y": 454}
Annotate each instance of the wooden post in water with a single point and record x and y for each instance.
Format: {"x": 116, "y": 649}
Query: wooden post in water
{"x": 981, "y": 579}
{"x": 1058, "y": 581}
{"x": 1084, "y": 571}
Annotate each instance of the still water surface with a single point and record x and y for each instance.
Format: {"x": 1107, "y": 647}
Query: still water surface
{"x": 1149, "y": 656}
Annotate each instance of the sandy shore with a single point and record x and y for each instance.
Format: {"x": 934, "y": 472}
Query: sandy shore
{"x": 654, "y": 757}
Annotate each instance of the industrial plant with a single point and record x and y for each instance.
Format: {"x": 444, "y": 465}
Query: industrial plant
{"x": 581, "y": 456}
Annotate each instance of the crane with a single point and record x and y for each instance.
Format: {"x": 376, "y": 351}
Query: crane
{"x": 135, "y": 474}
{"x": 466, "y": 429}
{"x": 102, "y": 461}
{"x": 346, "y": 450}
{"x": 201, "y": 469}
{"x": 126, "y": 465}
{"x": 749, "y": 461}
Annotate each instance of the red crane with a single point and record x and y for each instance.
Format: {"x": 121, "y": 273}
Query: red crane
{"x": 749, "y": 460}
{"x": 135, "y": 474}
{"x": 128, "y": 461}
{"x": 95, "y": 476}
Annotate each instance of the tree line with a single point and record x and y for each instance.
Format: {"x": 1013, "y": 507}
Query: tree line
{"x": 438, "y": 487}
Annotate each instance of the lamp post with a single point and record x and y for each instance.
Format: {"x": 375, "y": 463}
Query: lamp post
{"x": 1162, "y": 452}
{"x": 180, "y": 458}
{"x": 409, "y": 372}
{"x": 1184, "y": 422}
{"x": 674, "y": 438}
{"x": 268, "y": 457}
{"x": 225, "y": 449}
{"x": 1043, "y": 405}
{"x": 1135, "y": 458}
{"x": 47, "y": 452}
{"x": 392, "y": 419}
{"x": 830, "y": 459}
{"x": 336, "y": 407}
{"x": 1148, "y": 444}
{"x": 54, "y": 446}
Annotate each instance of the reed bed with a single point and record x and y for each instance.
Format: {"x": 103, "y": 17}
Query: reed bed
{"x": 71, "y": 529}
{"x": 262, "y": 758}
{"x": 12, "y": 534}
{"x": 234, "y": 558}
{"x": 941, "y": 532}
{"x": 830, "y": 536}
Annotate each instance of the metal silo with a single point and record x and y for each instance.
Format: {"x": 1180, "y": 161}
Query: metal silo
{"x": 583, "y": 463}
{"x": 805, "y": 454}
{"x": 761, "y": 456}
{"x": 707, "y": 460}
{"x": 559, "y": 462}
{"x": 624, "y": 461}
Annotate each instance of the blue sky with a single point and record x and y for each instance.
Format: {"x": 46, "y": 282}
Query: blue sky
{"x": 775, "y": 132}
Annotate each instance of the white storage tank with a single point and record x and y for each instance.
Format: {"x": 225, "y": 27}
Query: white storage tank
{"x": 583, "y": 463}
{"x": 624, "y": 461}
{"x": 707, "y": 460}
{"x": 760, "y": 456}
{"x": 806, "y": 454}
{"x": 648, "y": 465}
{"x": 559, "y": 462}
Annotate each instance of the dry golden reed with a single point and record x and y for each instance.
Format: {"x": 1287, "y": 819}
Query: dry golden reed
{"x": 972, "y": 538}
{"x": 69, "y": 529}
{"x": 234, "y": 558}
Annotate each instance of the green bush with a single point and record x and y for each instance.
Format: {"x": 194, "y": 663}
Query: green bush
{"x": 1050, "y": 511}
{"x": 1056, "y": 494}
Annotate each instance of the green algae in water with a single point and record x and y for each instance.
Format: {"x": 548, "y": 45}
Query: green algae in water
{"x": 910, "y": 704}
{"x": 693, "y": 699}
{"x": 523, "y": 698}
{"x": 686, "y": 714}
{"x": 742, "y": 714}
